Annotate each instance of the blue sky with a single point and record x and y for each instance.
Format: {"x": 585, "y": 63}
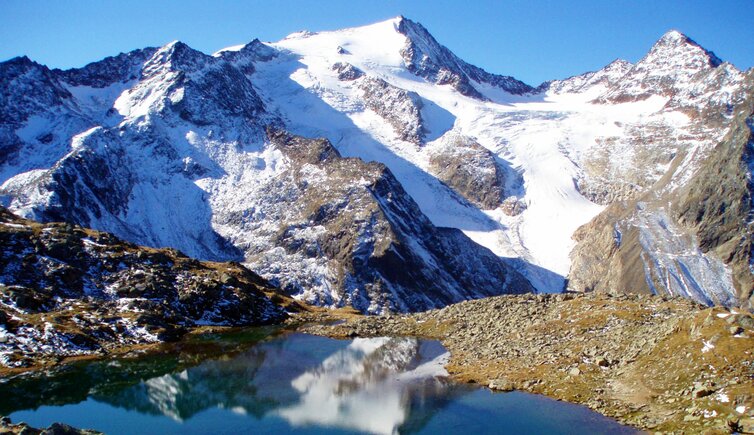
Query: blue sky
{"x": 532, "y": 40}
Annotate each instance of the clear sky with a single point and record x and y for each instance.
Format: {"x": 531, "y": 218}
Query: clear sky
{"x": 532, "y": 40}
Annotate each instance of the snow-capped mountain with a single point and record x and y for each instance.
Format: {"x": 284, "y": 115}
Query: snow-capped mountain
{"x": 217, "y": 156}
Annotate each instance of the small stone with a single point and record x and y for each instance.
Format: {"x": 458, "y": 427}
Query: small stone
{"x": 735, "y": 330}
{"x": 603, "y": 362}
{"x": 701, "y": 390}
{"x": 501, "y": 385}
{"x": 574, "y": 371}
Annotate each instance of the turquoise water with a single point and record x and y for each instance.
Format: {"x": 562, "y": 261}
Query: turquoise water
{"x": 253, "y": 382}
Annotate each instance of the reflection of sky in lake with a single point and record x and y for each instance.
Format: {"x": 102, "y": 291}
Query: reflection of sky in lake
{"x": 295, "y": 383}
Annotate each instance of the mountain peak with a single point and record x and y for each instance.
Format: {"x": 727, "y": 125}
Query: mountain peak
{"x": 618, "y": 63}
{"x": 674, "y": 46}
{"x": 412, "y": 29}
{"x": 174, "y": 47}
{"x": 176, "y": 55}
{"x": 673, "y": 63}
{"x": 20, "y": 63}
{"x": 19, "y": 60}
{"x": 673, "y": 36}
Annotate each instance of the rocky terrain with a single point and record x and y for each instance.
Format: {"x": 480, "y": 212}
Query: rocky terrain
{"x": 379, "y": 251}
{"x": 470, "y": 169}
{"x": 66, "y": 291}
{"x": 7, "y": 427}
{"x": 665, "y": 365}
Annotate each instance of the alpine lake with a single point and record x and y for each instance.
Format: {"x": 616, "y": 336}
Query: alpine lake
{"x": 266, "y": 380}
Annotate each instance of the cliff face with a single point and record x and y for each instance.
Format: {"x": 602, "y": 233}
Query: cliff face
{"x": 717, "y": 204}
{"x": 678, "y": 236}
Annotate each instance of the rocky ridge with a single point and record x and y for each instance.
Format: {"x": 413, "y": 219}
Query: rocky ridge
{"x": 425, "y": 57}
{"x": 380, "y": 252}
{"x": 67, "y": 291}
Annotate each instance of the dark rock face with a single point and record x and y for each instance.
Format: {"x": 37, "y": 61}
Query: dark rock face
{"x": 30, "y": 92}
{"x": 471, "y": 170}
{"x": 28, "y": 88}
{"x": 426, "y": 58}
{"x": 202, "y": 89}
{"x": 98, "y": 292}
{"x": 347, "y": 72}
{"x": 400, "y": 108}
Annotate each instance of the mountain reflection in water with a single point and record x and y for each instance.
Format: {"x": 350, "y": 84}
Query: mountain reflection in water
{"x": 293, "y": 383}
{"x": 370, "y": 385}
{"x": 364, "y": 385}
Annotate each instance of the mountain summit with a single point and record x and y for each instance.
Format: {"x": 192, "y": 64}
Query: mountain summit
{"x": 671, "y": 65}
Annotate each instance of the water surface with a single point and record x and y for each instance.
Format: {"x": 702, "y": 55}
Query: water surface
{"x": 251, "y": 383}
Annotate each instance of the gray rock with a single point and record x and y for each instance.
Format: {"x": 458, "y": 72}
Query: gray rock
{"x": 501, "y": 385}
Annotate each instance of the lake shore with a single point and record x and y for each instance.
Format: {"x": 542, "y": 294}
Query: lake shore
{"x": 664, "y": 365}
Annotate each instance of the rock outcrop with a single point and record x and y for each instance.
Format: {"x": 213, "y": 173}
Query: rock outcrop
{"x": 401, "y": 109}
{"x": 470, "y": 169}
